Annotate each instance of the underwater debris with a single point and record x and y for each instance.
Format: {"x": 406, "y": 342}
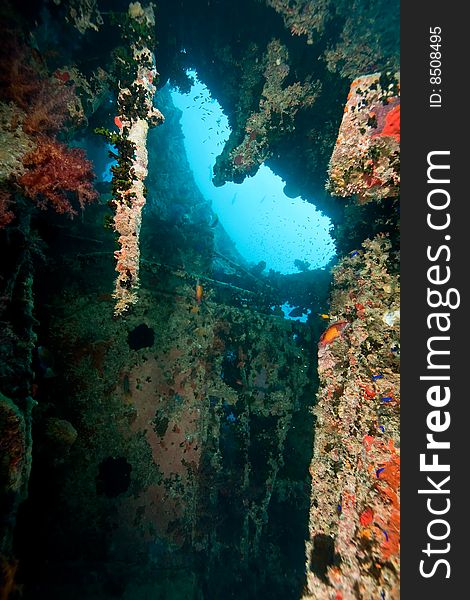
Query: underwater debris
{"x": 366, "y": 159}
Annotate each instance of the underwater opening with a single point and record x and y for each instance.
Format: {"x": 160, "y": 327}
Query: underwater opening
{"x": 288, "y": 234}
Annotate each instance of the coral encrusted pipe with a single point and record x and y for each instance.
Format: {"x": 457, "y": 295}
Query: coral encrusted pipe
{"x": 135, "y": 122}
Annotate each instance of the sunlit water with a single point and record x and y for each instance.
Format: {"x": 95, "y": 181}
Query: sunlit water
{"x": 262, "y": 221}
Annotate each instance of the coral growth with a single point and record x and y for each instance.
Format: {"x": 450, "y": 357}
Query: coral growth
{"x": 303, "y": 17}
{"x": 356, "y": 462}
{"x": 14, "y": 142}
{"x": 366, "y": 159}
{"x": 54, "y": 172}
{"x": 53, "y": 105}
{"x": 362, "y": 48}
{"x": 48, "y": 102}
{"x": 36, "y": 108}
{"x": 136, "y": 115}
{"x": 276, "y": 113}
{"x": 84, "y": 15}
{"x": 358, "y": 48}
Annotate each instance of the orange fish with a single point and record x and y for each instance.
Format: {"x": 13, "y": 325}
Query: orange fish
{"x": 332, "y": 332}
{"x": 199, "y": 293}
{"x": 118, "y": 122}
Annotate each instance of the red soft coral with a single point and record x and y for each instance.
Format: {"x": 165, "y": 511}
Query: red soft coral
{"x": 24, "y": 80}
{"x": 21, "y": 72}
{"x": 49, "y": 108}
{"x": 54, "y": 173}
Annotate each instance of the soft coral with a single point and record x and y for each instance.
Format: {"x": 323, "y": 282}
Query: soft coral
{"x": 24, "y": 80}
{"x": 54, "y": 172}
{"x": 49, "y": 108}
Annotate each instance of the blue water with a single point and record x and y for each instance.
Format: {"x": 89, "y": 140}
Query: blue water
{"x": 261, "y": 220}
{"x": 107, "y": 174}
{"x": 287, "y": 308}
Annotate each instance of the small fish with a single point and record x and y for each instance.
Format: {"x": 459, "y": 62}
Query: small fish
{"x": 199, "y": 292}
{"x": 118, "y": 122}
{"x": 387, "y": 399}
{"x": 354, "y": 253}
{"x": 379, "y": 471}
{"x": 324, "y": 316}
{"x": 332, "y": 332}
{"x": 374, "y": 377}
